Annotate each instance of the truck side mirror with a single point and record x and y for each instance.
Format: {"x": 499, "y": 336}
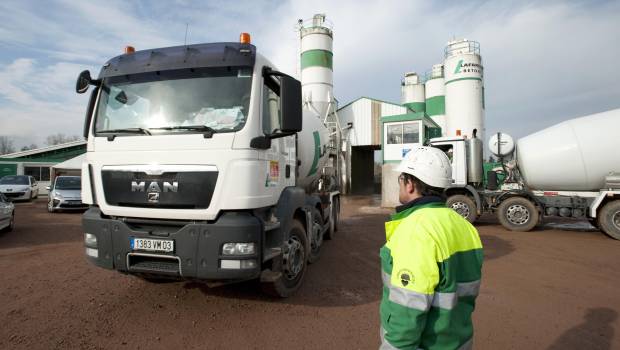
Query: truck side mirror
{"x": 290, "y": 104}
{"x": 83, "y": 80}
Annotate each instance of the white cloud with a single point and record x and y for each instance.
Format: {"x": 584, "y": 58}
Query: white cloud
{"x": 543, "y": 62}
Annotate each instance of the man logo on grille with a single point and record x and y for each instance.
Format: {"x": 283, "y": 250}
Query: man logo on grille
{"x": 153, "y": 197}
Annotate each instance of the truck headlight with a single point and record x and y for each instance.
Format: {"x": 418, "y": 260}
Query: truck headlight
{"x": 90, "y": 240}
{"x": 238, "y": 249}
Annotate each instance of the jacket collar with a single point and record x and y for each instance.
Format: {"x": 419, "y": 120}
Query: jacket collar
{"x": 407, "y": 208}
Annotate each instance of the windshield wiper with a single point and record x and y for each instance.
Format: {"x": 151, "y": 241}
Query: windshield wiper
{"x": 208, "y": 131}
{"x": 126, "y": 131}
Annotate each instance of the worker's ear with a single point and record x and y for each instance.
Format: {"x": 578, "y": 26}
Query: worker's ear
{"x": 410, "y": 187}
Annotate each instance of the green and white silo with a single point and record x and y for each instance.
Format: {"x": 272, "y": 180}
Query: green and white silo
{"x": 464, "y": 88}
{"x": 412, "y": 92}
{"x": 436, "y": 97}
{"x": 317, "y": 65}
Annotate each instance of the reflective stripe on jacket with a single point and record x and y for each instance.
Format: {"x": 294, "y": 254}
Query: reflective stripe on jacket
{"x": 431, "y": 268}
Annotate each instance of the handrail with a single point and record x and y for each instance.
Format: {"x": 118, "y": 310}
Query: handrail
{"x": 464, "y": 46}
{"x": 309, "y": 23}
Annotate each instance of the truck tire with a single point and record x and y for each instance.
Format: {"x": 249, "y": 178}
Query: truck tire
{"x": 333, "y": 219}
{"x": 464, "y": 206}
{"x": 292, "y": 266}
{"x": 315, "y": 236}
{"x": 518, "y": 214}
{"x": 609, "y": 219}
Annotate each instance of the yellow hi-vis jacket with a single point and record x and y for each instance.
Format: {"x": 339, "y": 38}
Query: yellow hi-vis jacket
{"x": 431, "y": 267}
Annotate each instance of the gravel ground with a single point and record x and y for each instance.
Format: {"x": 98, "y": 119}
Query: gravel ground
{"x": 553, "y": 288}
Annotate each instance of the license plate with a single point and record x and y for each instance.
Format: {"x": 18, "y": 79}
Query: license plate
{"x": 153, "y": 245}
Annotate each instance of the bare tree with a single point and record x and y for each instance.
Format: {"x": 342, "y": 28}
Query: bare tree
{"x": 6, "y": 145}
{"x": 28, "y": 148}
{"x": 56, "y": 139}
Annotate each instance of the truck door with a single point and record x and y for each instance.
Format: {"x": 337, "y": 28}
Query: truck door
{"x": 281, "y": 155}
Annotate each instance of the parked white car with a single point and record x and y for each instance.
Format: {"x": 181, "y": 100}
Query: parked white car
{"x": 7, "y": 214}
{"x": 18, "y": 187}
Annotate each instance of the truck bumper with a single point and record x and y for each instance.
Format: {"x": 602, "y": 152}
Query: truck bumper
{"x": 197, "y": 246}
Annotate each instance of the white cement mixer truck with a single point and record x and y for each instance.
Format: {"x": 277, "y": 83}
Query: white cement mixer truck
{"x": 571, "y": 169}
{"x": 204, "y": 163}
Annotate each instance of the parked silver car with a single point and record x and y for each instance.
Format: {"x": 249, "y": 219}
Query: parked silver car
{"x": 7, "y": 214}
{"x": 18, "y": 187}
{"x": 65, "y": 194}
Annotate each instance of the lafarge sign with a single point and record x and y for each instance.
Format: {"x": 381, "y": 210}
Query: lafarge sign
{"x": 461, "y": 68}
{"x": 468, "y": 68}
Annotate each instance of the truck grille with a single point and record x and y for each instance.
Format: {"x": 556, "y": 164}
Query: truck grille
{"x": 155, "y": 264}
{"x": 170, "y": 190}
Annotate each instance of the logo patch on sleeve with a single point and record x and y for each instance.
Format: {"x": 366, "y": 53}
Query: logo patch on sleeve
{"x": 406, "y": 277}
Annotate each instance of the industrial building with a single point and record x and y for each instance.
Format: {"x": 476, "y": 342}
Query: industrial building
{"x": 41, "y": 163}
{"x": 447, "y": 101}
{"x": 363, "y": 134}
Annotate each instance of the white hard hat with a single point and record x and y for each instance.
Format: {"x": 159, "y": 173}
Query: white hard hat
{"x": 428, "y": 164}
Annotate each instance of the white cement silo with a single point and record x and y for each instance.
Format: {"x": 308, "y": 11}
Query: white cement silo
{"x": 317, "y": 65}
{"x": 412, "y": 92}
{"x": 464, "y": 88}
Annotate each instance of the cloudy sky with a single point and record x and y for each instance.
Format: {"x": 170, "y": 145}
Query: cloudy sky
{"x": 545, "y": 61}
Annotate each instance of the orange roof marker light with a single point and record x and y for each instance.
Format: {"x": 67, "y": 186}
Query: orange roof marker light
{"x": 244, "y": 38}
{"x": 129, "y": 50}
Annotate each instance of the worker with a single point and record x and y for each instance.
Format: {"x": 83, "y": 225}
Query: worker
{"x": 431, "y": 263}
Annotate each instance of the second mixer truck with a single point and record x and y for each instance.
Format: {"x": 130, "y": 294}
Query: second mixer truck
{"x": 571, "y": 169}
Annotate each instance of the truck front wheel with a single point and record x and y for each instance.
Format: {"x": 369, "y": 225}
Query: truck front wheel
{"x": 292, "y": 265}
{"x": 518, "y": 214}
{"x": 464, "y": 206}
{"x": 609, "y": 219}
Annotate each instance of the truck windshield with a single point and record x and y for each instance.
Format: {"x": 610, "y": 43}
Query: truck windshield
{"x": 165, "y": 102}
{"x": 68, "y": 183}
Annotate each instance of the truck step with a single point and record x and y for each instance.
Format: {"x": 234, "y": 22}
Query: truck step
{"x": 269, "y": 276}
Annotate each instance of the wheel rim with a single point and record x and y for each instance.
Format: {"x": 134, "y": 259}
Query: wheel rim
{"x": 461, "y": 208}
{"x": 293, "y": 258}
{"x": 12, "y": 223}
{"x": 517, "y": 214}
{"x": 615, "y": 219}
{"x": 49, "y": 206}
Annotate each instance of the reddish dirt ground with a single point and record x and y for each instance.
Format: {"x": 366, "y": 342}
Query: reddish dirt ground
{"x": 546, "y": 289}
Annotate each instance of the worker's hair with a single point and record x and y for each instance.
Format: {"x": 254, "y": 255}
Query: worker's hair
{"x": 422, "y": 187}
